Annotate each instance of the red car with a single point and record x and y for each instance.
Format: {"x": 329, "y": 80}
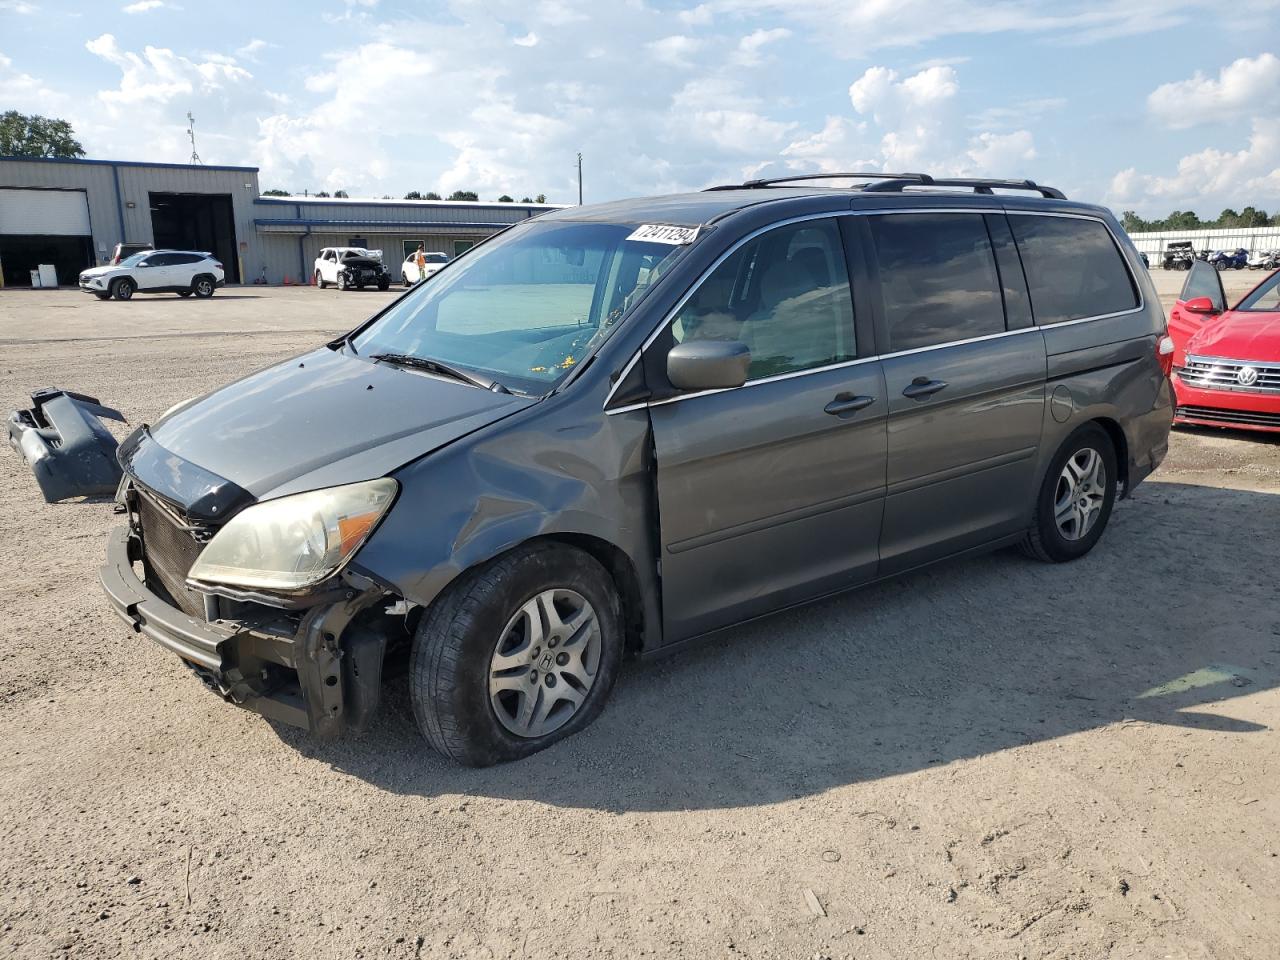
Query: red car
{"x": 1226, "y": 363}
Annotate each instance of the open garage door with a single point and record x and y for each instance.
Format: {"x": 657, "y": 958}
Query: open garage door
{"x": 197, "y": 221}
{"x": 44, "y": 226}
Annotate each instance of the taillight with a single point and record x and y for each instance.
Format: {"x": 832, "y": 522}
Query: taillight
{"x": 1164, "y": 353}
{"x": 217, "y": 264}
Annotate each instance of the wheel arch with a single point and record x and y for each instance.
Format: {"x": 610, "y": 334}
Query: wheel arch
{"x": 1121, "y": 444}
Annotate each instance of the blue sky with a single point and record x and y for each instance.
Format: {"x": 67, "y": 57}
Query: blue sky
{"x": 1150, "y": 107}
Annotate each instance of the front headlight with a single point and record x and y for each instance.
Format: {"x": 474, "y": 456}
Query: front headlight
{"x": 294, "y": 542}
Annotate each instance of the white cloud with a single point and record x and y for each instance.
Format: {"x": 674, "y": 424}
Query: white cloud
{"x": 251, "y": 49}
{"x": 1208, "y": 180}
{"x": 27, "y": 93}
{"x": 749, "y": 49}
{"x": 1016, "y": 114}
{"x": 142, "y": 6}
{"x": 699, "y": 16}
{"x": 1002, "y": 154}
{"x": 675, "y": 50}
{"x": 530, "y": 39}
{"x": 1242, "y": 88}
{"x": 159, "y": 74}
{"x": 20, "y": 7}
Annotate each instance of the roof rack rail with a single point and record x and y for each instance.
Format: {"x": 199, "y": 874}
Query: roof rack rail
{"x": 897, "y": 182}
{"x": 978, "y": 185}
{"x": 773, "y": 181}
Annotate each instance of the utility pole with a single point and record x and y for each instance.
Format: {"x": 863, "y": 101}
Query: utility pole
{"x": 579, "y": 179}
{"x": 191, "y": 133}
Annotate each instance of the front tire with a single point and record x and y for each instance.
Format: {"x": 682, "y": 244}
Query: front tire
{"x": 1075, "y": 499}
{"x": 342, "y": 281}
{"x": 384, "y": 283}
{"x": 516, "y": 655}
{"x": 122, "y": 289}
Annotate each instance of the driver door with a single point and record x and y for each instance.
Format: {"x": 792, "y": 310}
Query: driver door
{"x": 1203, "y": 283}
{"x": 771, "y": 493}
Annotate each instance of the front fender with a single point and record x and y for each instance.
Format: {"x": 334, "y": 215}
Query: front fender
{"x": 559, "y": 468}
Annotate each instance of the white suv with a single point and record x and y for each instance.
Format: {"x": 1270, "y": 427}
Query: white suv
{"x": 184, "y": 272}
{"x": 349, "y": 267}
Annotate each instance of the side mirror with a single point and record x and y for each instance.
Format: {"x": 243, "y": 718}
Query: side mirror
{"x": 708, "y": 364}
{"x": 1200, "y": 305}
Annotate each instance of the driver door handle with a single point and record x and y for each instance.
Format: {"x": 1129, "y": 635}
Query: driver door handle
{"x": 922, "y": 388}
{"x": 846, "y": 403}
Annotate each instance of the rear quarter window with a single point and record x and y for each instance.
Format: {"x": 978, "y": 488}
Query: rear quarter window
{"x": 1074, "y": 268}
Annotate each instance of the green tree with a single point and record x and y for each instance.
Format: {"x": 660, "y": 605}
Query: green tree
{"x": 413, "y": 195}
{"x": 464, "y": 195}
{"x": 1133, "y": 223}
{"x": 36, "y": 136}
{"x": 276, "y": 192}
{"x": 342, "y": 194}
{"x": 432, "y": 195}
{"x": 540, "y": 198}
{"x": 526, "y": 200}
{"x": 505, "y": 199}
{"x": 322, "y": 193}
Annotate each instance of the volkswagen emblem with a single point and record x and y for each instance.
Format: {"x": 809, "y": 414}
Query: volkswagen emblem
{"x": 1247, "y": 376}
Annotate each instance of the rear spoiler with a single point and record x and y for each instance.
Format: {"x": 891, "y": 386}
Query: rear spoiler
{"x": 63, "y": 440}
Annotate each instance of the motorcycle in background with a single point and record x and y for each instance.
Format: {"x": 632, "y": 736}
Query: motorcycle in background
{"x": 1222, "y": 260}
{"x": 1264, "y": 260}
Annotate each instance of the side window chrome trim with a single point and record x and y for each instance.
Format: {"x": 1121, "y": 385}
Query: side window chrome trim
{"x": 671, "y": 315}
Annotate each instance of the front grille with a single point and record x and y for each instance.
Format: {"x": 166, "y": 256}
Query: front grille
{"x": 168, "y": 553}
{"x": 1213, "y": 373}
{"x": 1230, "y": 417}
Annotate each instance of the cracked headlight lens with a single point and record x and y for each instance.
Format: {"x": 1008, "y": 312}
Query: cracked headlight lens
{"x": 296, "y": 541}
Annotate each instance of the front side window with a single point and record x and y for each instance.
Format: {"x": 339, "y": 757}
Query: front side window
{"x": 1266, "y": 298}
{"x": 1074, "y": 268}
{"x": 938, "y": 278}
{"x": 528, "y": 306}
{"x": 784, "y": 294}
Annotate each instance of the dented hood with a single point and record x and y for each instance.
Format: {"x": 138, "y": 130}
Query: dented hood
{"x": 1239, "y": 335}
{"x": 322, "y": 419}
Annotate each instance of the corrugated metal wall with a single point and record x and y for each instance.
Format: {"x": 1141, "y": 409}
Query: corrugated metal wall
{"x": 119, "y": 197}
{"x": 1253, "y": 239}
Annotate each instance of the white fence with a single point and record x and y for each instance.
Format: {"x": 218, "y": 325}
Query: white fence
{"x": 1253, "y": 239}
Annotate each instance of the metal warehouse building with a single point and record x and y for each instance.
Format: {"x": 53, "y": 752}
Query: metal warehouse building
{"x": 71, "y": 213}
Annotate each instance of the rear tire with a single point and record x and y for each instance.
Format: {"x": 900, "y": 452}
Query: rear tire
{"x": 320, "y": 282}
{"x": 1075, "y": 499}
{"x": 183, "y": 293}
{"x": 404, "y": 278}
{"x": 204, "y": 287}
{"x": 122, "y": 289}
{"x": 500, "y": 625}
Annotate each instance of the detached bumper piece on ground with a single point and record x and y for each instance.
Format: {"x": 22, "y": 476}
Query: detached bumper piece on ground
{"x": 63, "y": 440}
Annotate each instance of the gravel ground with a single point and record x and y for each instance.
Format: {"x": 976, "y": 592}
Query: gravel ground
{"x": 994, "y": 758}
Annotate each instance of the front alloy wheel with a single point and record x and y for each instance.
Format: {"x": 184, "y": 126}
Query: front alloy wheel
{"x": 516, "y": 654}
{"x": 545, "y": 663}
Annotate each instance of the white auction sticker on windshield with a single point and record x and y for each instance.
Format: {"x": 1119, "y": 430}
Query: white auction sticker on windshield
{"x": 664, "y": 233}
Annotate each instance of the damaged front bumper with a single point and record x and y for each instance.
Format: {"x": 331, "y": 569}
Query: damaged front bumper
{"x": 314, "y": 668}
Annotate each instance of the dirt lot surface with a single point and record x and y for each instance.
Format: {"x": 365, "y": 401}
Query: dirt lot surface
{"x": 995, "y": 758}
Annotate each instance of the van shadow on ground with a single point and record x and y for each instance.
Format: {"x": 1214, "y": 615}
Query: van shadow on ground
{"x": 1172, "y": 616}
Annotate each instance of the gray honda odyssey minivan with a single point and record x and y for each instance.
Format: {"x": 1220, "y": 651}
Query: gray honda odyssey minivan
{"x": 614, "y": 429}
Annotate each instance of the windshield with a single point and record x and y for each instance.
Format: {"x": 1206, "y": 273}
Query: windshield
{"x": 527, "y": 307}
{"x": 136, "y": 259}
{"x": 1266, "y": 298}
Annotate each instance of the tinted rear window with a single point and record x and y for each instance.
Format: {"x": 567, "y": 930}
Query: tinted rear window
{"x": 938, "y": 278}
{"x": 1074, "y": 268}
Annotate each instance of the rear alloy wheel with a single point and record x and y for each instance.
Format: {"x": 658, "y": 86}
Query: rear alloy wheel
{"x": 1076, "y": 498}
{"x": 204, "y": 288}
{"x": 320, "y": 281}
{"x": 404, "y": 277}
{"x": 122, "y": 289}
{"x": 516, "y": 655}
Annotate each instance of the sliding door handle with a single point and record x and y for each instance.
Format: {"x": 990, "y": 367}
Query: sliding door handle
{"x": 846, "y": 403}
{"x": 922, "y": 388}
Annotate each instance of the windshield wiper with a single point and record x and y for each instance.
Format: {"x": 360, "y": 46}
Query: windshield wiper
{"x": 441, "y": 368}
